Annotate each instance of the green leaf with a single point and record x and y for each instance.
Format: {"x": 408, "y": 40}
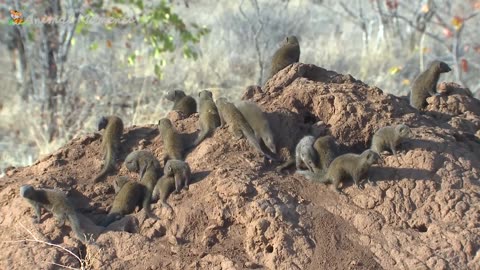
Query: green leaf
{"x": 93, "y": 46}
{"x": 131, "y": 59}
{"x": 139, "y": 4}
{"x": 158, "y": 71}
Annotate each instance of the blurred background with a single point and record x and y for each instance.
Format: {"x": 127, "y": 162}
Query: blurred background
{"x": 72, "y": 61}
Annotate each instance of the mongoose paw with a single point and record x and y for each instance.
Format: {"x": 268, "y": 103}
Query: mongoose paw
{"x": 373, "y": 183}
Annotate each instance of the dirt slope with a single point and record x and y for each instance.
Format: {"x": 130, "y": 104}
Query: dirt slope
{"x": 422, "y": 213}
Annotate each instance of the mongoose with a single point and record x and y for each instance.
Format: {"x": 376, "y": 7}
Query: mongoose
{"x": 327, "y": 151}
{"x": 137, "y": 161}
{"x": 164, "y": 187}
{"x": 129, "y": 195}
{"x": 388, "y": 138}
{"x": 180, "y": 171}
{"x": 425, "y": 84}
{"x": 56, "y": 202}
{"x": 147, "y": 165}
{"x": 182, "y": 102}
{"x": 172, "y": 142}
{"x": 149, "y": 180}
{"x": 325, "y": 148}
{"x": 305, "y": 154}
{"x": 113, "y": 126}
{"x": 230, "y": 115}
{"x": 258, "y": 121}
{"x": 209, "y": 118}
{"x": 287, "y": 54}
{"x": 344, "y": 166}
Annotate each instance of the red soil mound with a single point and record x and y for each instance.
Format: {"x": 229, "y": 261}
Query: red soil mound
{"x": 422, "y": 213}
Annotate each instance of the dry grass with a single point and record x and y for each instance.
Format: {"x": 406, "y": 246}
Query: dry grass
{"x": 84, "y": 264}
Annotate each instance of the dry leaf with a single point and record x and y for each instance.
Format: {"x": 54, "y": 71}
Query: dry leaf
{"x": 457, "y": 22}
{"x": 464, "y": 65}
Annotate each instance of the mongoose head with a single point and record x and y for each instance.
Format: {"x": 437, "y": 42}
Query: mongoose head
{"x": 164, "y": 123}
{"x": 440, "y": 67}
{"x": 175, "y": 95}
{"x": 205, "y": 94}
{"x": 403, "y": 131}
{"x": 268, "y": 140}
{"x": 168, "y": 170}
{"x": 26, "y": 191}
{"x": 221, "y": 101}
{"x": 119, "y": 183}
{"x": 291, "y": 40}
{"x": 371, "y": 157}
{"x": 102, "y": 123}
{"x": 132, "y": 164}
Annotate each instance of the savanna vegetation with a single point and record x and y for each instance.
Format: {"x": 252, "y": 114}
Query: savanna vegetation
{"x": 72, "y": 61}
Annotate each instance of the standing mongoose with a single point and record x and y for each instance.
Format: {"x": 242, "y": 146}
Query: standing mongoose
{"x": 129, "y": 195}
{"x": 56, "y": 202}
{"x": 182, "y": 102}
{"x": 287, "y": 54}
{"x": 180, "y": 171}
{"x": 230, "y": 115}
{"x": 209, "y": 118}
{"x": 113, "y": 126}
{"x": 258, "y": 121}
{"x": 344, "y": 166}
{"x": 164, "y": 187}
{"x": 327, "y": 151}
{"x": 425, "y": 84}
{"x": 172, "y": 142}
{"x": 388, "y": 138}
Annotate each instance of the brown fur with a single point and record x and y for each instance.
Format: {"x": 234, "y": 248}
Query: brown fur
{"x": 258, "y": 121}
{"x": 345, "y": 166}
{"x": 113, "y": 126}
{"x": 164, "y": 187}
{"x": 327, "y": 151}
{"x": 209, "y": 118}
{"x": 172, "y": 142}
{"x": 425, "y": 84}
{"x": 56, "y": 202}
{"x": 137, "y": 161}
{"x": 307, "y": 154}
{"x": 182, "y": 102}
{"x": 147, "y": 165}
{"x": 180, "y": 171}
{"x": 237, "y": 124}
{"x": 286, "y": 55}
{"x": 388, "y": 138}
{"x": 129, "y": 195}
